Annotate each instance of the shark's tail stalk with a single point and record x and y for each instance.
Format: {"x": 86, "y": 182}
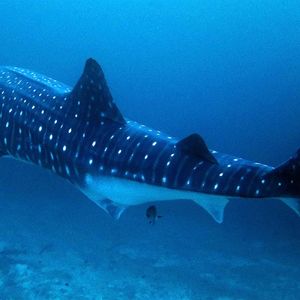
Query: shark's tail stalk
{"x": 289, "y": 174}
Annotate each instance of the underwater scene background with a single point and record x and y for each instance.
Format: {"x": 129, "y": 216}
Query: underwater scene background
{"x": 228, "y": 70}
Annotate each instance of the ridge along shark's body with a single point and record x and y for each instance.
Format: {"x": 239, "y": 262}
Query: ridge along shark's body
{"x": 81, "y": 135}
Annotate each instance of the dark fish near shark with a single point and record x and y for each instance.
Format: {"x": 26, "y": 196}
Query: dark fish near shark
{"x": 151, "y": 214}
{"x": 80, "y": 134}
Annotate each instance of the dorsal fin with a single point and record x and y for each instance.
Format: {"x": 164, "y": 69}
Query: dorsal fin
{"x": 195, "y": 145}
{"x": 91, "y": 98}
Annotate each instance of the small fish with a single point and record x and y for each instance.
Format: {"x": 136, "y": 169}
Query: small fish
{"x": 151, "y": 214}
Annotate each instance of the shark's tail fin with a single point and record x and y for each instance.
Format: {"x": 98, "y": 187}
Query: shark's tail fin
{"x": 289, "y": 174}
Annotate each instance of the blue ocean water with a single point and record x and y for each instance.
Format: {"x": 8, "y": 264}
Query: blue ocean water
{"x": 228, "y": 70}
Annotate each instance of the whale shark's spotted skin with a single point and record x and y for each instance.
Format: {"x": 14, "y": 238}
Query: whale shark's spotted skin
{"x": 81, "y": 135}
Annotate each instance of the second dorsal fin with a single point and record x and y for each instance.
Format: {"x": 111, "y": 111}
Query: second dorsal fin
{"x": 195, "y": 145}
{"x": 91, "y": 98}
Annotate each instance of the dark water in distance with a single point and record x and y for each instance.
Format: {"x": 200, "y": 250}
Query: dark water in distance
{"x": 229, "y": 70}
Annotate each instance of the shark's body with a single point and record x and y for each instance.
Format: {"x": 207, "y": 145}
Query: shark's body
{"x": 81, "y": 135}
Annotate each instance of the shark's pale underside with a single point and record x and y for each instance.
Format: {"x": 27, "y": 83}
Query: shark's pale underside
{"x": 81, "y": 135}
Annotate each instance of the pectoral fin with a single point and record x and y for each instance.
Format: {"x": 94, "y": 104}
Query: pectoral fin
{"x": 292, "y": 203}
{"x": 113, "y": 209}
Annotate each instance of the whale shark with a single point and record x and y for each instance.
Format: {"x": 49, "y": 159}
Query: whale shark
{"x": 80, "y": 134}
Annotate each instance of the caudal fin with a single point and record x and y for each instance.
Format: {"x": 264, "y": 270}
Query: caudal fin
{"x": 289, "y": 173}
